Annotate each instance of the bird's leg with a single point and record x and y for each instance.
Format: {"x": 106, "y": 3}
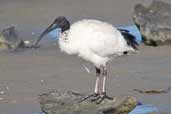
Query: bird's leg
{"x": 96, "y": 89}
{"x": 104, "y": 73}
{"x": 103, "y": 94}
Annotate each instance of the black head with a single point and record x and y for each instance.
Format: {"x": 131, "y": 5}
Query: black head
{"x": 60, "y": 22}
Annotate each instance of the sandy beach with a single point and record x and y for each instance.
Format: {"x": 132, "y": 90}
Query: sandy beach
{"x": 26, "y": 74}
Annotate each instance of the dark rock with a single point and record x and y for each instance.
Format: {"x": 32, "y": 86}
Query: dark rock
{"x": 9, "y": 39}
{"x": 154, "y": 22}
{"x": 59, "y": 102}
{"x": 10, "y": 34}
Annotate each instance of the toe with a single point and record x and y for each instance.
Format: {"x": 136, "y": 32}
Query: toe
{"x": 91, "y": 97}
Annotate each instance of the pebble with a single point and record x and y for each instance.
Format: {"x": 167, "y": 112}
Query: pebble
{"x": 2, "y": 92}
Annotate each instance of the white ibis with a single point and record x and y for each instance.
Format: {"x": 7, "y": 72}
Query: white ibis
{"x": 94, "y": 41}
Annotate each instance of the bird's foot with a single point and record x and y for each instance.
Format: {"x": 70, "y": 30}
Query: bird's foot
{"x": 101, "y": 97}
{"x": 95, "y": 97}
{"x": 92, "y": 96}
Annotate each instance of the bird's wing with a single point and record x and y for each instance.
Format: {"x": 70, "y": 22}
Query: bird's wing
{"x": 97, "y": 37}
{"x": 108, "y": 43}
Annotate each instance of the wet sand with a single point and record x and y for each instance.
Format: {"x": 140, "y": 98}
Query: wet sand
{"x": 25, "y": 75}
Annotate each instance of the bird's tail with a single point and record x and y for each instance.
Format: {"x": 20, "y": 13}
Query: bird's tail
{"x": 130, "y": 39}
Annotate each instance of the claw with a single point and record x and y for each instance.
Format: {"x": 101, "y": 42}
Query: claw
{"x": 102, "y": 97}
{"x": 89, "y": 96}
{"x": 98, "y": 98}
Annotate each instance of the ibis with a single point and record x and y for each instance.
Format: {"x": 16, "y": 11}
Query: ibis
{"x": 96, "y": 42}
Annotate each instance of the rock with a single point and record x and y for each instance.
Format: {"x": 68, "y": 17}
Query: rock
{"x": 59, "y": 102}
{"x": 154, "y": 22}
{"x": 9, "y": 40}
{"x": 3, "y": 44}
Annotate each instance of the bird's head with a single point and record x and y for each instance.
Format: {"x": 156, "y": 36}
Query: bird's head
{"x": 60, "y": 22}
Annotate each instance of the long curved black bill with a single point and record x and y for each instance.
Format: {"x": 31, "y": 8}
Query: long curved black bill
{"x": 60, "y": 22}
{"x": 46, "y": 31}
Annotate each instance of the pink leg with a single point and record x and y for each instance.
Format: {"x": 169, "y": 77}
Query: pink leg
{"x": 104, "y": 73}
{"x": 96, "y": 89}
{"x": 103, "y": 95}
{"x": 96, "y": 96}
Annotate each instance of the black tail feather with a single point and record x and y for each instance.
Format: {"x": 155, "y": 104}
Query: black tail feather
{"x": 130, "y": 39}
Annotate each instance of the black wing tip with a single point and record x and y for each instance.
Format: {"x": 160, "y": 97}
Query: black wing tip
{"x": 130, "y": 39}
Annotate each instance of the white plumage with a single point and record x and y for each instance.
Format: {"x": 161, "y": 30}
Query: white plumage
{"x": 94, "y": 41}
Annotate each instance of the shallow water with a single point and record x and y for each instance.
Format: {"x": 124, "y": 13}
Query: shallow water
{"x": 32, "y": 72}
{"x": 29, "y": 73}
